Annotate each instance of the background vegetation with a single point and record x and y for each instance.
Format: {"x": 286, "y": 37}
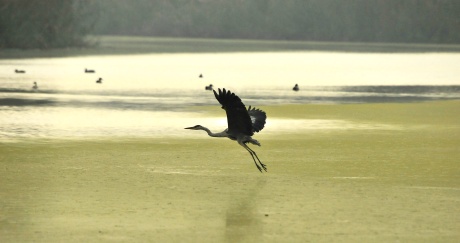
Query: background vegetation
{"x": 55, "y": 23}
{"x": 45, "y": 23}
{"x": 314, "y": 20}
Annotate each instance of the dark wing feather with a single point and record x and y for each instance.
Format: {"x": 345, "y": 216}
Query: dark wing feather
{"x": 258, "y": 118}
{"x": 238, "y": 119}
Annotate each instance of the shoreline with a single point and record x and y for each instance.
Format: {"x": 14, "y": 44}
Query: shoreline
{"x": 124, "y": 45}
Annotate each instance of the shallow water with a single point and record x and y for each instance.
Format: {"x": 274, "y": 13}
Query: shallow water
{"x": 151, "y": 95}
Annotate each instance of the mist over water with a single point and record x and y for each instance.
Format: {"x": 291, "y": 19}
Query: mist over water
{"x": 151, "y": 95}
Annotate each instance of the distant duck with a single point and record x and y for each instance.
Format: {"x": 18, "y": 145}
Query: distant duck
{"x": 35, "y": 87}
{"x": 201, "y": 75}
{"x": 19, "y": 71}
{"x": 209, "y": 87}
{"x": 296, "y": 87}
{"x": 89, "y": 71}
{"x": 99, "y": 81}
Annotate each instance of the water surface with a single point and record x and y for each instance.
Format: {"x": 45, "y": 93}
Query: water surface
{"x": 151, "y": 95}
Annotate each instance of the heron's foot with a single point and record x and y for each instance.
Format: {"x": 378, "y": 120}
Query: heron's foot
{"x": 263, "y": 166}
{"x": 260, "y": 169}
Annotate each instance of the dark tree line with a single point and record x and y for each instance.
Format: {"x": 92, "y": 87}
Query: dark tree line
{"x": 45, "y": 23}
{"x": 425, "y": 21}
{"x": 62, "y": 23}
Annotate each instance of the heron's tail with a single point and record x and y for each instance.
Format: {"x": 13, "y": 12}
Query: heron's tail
{"x": 253, "y": 141}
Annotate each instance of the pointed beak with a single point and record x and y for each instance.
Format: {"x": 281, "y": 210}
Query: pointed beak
{"x": 188, "y": 128}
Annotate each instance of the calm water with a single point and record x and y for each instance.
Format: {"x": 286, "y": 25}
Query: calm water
{"x": 151, "y": 95}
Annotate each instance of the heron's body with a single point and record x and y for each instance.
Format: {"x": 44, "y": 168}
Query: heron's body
{"x": 242, "y": 123}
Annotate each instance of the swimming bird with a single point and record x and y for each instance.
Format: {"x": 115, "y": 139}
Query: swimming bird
{"x": 35, "y": 87}
{"x": 209, "y": 87}
{"x": 99, "y": 81}
{"x": 19, "y": 71}
{"x": 242, "y": 123}
{"x": 296, "y": 87}
{"x": 89, "y": 71}
{"x": 201, "y": 76}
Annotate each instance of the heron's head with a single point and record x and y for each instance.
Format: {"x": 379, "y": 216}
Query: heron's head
{"x": 197, "y": 127}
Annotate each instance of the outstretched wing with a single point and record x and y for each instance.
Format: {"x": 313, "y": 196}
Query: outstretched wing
{"x": 238, "y": 119}
{"x": 258, "y": 118}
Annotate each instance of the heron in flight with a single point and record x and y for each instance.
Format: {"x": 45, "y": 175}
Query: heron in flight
{"x": 242, "y": 123}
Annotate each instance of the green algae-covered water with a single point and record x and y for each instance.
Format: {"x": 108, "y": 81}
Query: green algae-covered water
{"x": 389, "y": 173}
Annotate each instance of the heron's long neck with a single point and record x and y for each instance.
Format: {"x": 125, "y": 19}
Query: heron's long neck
{"x": 219, "y": 134}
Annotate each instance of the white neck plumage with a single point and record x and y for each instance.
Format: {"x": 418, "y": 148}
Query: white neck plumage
{"x": 219, "y": 134}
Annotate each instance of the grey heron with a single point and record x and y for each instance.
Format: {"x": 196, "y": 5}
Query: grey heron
{"x": 242, "y": 123}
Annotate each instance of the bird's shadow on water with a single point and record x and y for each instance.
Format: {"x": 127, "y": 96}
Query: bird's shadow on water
{"x": 243, "y": 221}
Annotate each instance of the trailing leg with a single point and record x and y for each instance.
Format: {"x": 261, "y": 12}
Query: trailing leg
{"x": 252, "y": 153}
{"x": 260, "y": 162}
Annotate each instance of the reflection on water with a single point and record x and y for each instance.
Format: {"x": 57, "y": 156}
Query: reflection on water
{"x": 293, "y": 125}
{"x": 243, "y": 221}
{"x": 151, "y": 95}
{"x": 63, "y": 122}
